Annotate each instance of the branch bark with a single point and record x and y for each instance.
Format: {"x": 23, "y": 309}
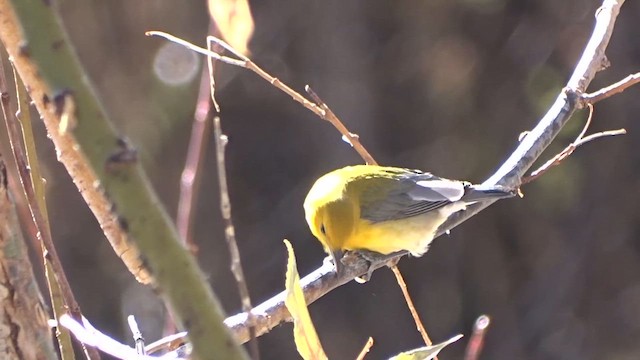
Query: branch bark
{"x": 23, "y": 315}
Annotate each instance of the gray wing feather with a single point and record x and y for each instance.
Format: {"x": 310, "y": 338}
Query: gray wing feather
{"x": 412, "y": 195}
{"x": 437, "y": 190}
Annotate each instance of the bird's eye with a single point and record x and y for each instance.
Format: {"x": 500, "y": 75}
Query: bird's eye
{"x": 323, "y": 230}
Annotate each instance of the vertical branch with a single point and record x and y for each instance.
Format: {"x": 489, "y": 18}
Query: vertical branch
{"x": 23, "y": 114}
{"x": 192, "y": 172}
{"x": 365, "y": 349}
{"x": 474, "y": 348}
{"x": 229, "y": 232}
{"x": 24, "y": 316}
{"x": 190, "y": 179}
{"x": 44, "y": 236}
{"x": 414, "y": 313}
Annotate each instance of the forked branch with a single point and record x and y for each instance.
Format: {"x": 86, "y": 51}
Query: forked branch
{"x": 321, "y": 281}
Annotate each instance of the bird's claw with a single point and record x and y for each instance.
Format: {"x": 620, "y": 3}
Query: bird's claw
{"x": 375, "y": 260}
{"x": 350, "y": 259}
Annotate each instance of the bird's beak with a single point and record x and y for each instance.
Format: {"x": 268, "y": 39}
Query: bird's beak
{"x": 336, "y": 255}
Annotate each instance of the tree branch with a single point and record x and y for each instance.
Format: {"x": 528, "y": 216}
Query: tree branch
{"x": 321, "y": 281}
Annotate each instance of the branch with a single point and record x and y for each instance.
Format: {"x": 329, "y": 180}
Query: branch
{"x": 319, "y": 108}
{"x": 412, "y": 309}
{"x": 40, "y": 222}
{"x": 612, "y": 89}
{"x": 566, "y": 152}
{"x": 190, "y": 178}
{"x": 321, "y": 281}
{"x": 230, "y": 232}
{"x": 365, "y": 349}
{"x": 474, "y": 347}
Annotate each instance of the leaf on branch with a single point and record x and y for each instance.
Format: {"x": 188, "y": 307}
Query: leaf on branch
{"x": 425, "y": 353}
{"x": 233, "y": 19}
{"x": 304, "y": 333}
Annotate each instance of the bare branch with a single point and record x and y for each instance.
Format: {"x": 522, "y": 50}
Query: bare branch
{"x": 189, "y": 180}
{"x": 414, "y": 313}
{"x": 23, "y": 115}
{"x": 365, "y": 349}
{"x": 190, "y": 46}
{"x": 351, "y": 138}
{"x": 272, "y": 312}
{"x": 230, "y": 233}
{"x": 319, "y": 108}
{"x": 612, "y": 89}
{"x": 474, "y": 348}
{"x": 225, "y": 202}
{"x": 566, "y": 152}
{"x": 42, "y": 232}
{"x": 137, "y": 335}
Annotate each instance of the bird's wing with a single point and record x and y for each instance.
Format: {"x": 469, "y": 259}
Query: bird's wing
{"x": 408, "y": 194}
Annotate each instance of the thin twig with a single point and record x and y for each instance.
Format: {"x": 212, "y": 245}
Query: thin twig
{"x": 474, "y": 348}
{"x": 566, "y": 152}
{"x": 190, "y": 178}
{"x": 244, "y": 62}
{"x": 138, "y": 339}
{"x": 44, "y": 236}
{"x": 190, "y": 46}
{"x": 192, "y": 173}
{"x": 412, "y": 308}
{"x": 612, "y": 89}
{"x": 351, "y": 138}
{"x": 167, "y": 343}
{"x": 365, "y": 349}
{"x": 225, "y": 206}
{"x": 319, "y": 107}
{"x": 85, "y": 332}
{"x": 230, "y": 234}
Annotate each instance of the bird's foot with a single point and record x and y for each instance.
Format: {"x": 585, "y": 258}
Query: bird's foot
{"x": 374, "y": 259}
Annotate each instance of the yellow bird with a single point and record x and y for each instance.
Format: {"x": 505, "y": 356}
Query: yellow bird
{"x": 386, "y": 209}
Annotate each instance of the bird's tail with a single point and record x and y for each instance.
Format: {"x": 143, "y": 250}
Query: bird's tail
{"x": 474, "y": 193}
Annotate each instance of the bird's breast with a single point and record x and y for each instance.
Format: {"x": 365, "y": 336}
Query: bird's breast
{"x": 412, "y": 234}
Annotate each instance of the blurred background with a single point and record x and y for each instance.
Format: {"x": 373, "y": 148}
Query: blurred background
{"x": 440, "y": 85}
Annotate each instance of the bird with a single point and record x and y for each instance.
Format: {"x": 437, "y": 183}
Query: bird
{"x": 386, "y": 209}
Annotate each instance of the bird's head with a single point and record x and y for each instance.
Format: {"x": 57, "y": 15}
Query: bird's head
{"x": 330, "y": 215}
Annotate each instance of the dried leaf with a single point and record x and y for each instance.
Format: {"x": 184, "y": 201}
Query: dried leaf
{"x": 233, "y": 19}
{"x": 304, "y": 333}
{"x": 425, "y": 353}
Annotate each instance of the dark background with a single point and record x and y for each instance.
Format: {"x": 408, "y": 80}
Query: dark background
{"x": 445, "y": 86}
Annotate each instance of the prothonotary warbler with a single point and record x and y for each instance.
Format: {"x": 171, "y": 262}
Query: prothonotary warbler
{"x": 386, "y": 209}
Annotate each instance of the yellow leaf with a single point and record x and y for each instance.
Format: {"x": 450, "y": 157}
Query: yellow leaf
{"x": 233, "y": 19}
{"x": 304, "y": 333}
{"x": 425, "y": 353}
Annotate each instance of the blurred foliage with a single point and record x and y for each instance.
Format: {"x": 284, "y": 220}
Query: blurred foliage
{"x": 445, "y": 86}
